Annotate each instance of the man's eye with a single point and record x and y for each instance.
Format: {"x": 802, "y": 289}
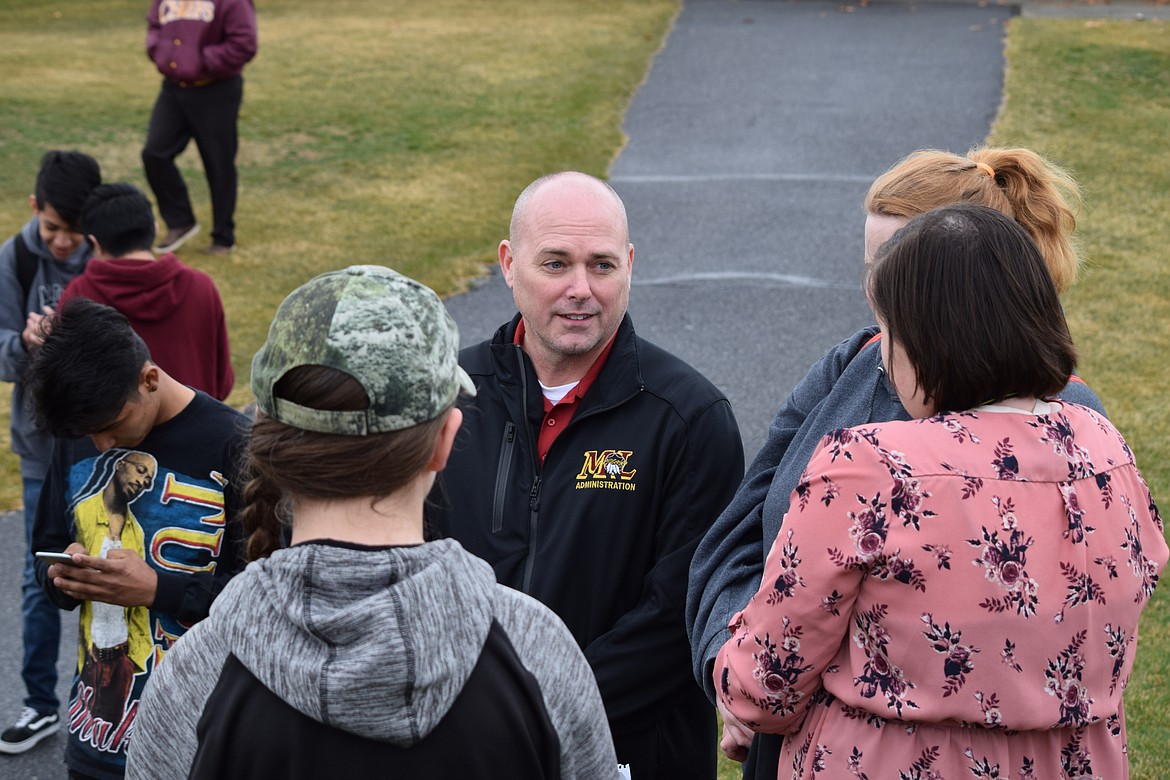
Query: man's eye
{"x": 605, "y": 266}
{"x": 554, "y": 265}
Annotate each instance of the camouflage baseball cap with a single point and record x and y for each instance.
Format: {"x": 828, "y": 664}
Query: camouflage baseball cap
{"x": 390, "y": 333}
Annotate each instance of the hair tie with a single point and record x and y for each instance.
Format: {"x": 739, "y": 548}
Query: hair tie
{"x": 986, "y": 169}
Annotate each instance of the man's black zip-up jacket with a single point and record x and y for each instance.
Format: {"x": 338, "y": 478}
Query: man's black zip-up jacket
{"x": 604, "y": 532}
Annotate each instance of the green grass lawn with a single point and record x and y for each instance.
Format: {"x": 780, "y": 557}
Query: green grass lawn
{"x": 373, "y": 131}
{"x": 1095, "y": 97}
{"x": 399, "y": 132}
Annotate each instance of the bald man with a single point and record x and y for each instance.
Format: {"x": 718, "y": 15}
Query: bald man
{"x": 590, "y": 465}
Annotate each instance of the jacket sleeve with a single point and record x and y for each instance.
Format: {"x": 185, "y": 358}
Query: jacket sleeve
{"x": 238, "y": 47}
{"x": 547, "y": 650}
{"x": 792, "y": 628}
{"x": 153, "y": 30}
{"x": 650, "y": 637}
{"x": 165, "y": 738}
{"x": 1077, "y": 392}
{"x": 189, "y": 596}
{"x": 53, "y": 529}
{"x": 727, "y": 565}
{"x": 13, "y": 315}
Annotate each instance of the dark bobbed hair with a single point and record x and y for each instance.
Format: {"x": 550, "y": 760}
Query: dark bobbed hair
{"x": 64, "y": 181}
{"x": 86, "y": 371}
{"x": 283, "y": 463}
{"x": 119, "y": 217}
{"x": 966, "y": 293}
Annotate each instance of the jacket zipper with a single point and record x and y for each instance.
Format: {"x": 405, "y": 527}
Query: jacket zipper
{"x": 533, "y": 510}
{"x": 503, "y": 470}
{"x": 534, "y": 493}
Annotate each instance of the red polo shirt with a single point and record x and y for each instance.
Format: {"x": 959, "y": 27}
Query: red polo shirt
{"x": 557, "y": 416}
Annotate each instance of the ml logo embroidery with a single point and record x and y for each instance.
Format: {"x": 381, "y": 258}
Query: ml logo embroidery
{"x": 191, "y": 10}
{"x": 608, "y": 469}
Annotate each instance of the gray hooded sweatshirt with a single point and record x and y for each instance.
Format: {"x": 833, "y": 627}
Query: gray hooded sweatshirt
{"x": 45, "y": 288}
{"x": 381, "y": 646}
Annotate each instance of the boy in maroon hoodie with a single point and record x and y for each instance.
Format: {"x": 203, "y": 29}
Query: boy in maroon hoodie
{"x": 176, "y": 309}
{"x": 200, "y": 48}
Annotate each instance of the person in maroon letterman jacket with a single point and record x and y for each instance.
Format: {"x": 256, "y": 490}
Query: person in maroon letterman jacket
{"x": 200, "y": 47}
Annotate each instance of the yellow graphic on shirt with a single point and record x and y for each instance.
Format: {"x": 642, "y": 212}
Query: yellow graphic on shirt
{"x": 115, "y": 641}
{"x": 607, "y": 469}
{"x": 177, "y": 490}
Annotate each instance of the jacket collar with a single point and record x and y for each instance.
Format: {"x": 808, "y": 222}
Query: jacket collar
{"x": 620, "y": 377}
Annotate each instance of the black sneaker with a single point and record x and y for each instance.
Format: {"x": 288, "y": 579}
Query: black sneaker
{"x": 30, "y": 728}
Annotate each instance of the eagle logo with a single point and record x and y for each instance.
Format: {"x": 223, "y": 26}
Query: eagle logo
{"x": 614, "y": 464}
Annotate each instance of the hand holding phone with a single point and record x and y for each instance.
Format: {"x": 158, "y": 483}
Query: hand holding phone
{"x": 55, "y": 557}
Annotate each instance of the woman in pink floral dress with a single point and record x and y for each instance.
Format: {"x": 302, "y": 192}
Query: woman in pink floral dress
{"x": 956, "y": 596}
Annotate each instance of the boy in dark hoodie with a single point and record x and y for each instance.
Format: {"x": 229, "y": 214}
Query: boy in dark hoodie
{"x": 35, "y": 266}
{"x": 176, "y": 309}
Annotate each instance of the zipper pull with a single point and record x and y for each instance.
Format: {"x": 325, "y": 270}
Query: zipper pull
{"x": 534, "y": 494}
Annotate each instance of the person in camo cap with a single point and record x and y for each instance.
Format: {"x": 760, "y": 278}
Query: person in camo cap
{"x": 360, "y": 649}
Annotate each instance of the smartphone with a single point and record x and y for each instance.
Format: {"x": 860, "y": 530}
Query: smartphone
{"x": 52, "y": 557}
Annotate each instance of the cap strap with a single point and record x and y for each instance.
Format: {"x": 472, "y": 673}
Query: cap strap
{"x": 350, "y": 423}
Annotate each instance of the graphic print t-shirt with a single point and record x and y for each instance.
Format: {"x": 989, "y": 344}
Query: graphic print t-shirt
{"x": 171, "y": 502}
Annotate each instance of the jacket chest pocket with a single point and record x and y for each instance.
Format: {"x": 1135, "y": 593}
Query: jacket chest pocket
{"x": 503, "y": 472}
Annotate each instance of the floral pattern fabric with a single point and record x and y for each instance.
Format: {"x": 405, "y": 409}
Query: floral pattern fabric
{"x": 954, "y": 597}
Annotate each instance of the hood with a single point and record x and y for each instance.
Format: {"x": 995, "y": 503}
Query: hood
{"x": 67, "y": 268}
{"x": 378, "y": 642}
{"x": 143, "y": 290}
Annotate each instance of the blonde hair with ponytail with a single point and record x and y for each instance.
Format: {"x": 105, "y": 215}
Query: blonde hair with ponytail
{"x": 1037, "y": 194}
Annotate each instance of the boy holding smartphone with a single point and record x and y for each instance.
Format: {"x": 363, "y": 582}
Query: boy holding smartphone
{"x": 141, "y": 494}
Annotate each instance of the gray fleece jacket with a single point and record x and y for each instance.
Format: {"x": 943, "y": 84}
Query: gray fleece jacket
{"x": 378, "y": 642}
{"x": 846, "y": 387}
{"x": 48, "y": 283}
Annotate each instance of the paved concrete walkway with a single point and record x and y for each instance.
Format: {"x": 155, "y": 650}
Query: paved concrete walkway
{"x": 751, "y": 144}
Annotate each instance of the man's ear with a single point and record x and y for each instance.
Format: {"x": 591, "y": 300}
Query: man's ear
{"x": 446, "y": 440}
{"x": 506, "y": 260}
{"x": 32, "y": 202}
{"x": 149, "y": 379}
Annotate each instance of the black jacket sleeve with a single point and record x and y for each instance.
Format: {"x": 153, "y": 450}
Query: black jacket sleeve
{"x": 52, "y": 527}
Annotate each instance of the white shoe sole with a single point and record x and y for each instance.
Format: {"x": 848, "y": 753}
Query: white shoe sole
{"x": 178, "y": 242}
{"x": 13, "y": 748}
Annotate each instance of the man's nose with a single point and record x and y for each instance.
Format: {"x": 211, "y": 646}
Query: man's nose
{"x": 578, "y": 284}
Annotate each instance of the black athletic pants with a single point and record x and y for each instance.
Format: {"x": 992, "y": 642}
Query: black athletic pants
{"x": 209, "y": 115}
